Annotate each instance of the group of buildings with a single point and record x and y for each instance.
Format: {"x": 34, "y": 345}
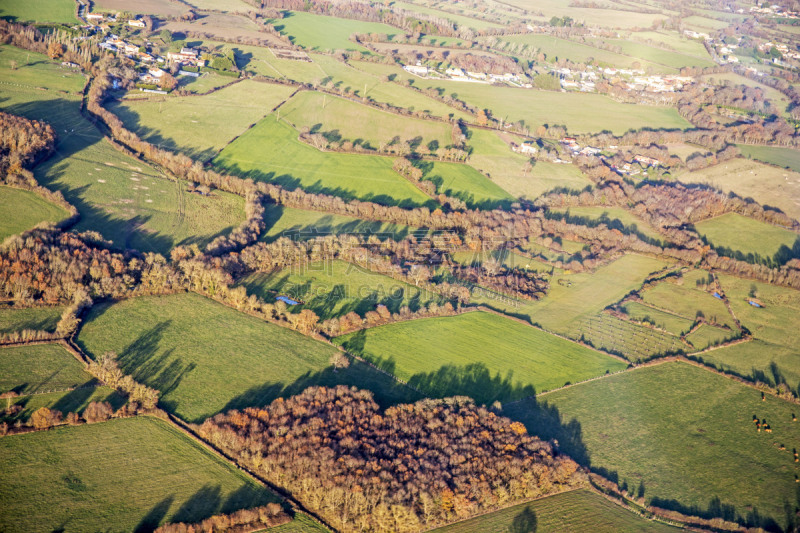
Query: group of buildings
{"x": 633, "y": 79}
{"x": 459, "y": 74}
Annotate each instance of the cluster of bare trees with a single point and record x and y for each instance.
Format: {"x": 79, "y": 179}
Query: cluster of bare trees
{"x": 242, "y": 521}
{"x": 405, "y": 469}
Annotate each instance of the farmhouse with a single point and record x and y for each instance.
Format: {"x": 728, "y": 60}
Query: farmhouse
{"x": 154, "y": 75}
{"x": 136, "y": 23}
{"x": 416, "y": 69}
{"x": 94, "y": 16}
{"x": 527, "y": 148}
{"x": 186, "y": 56}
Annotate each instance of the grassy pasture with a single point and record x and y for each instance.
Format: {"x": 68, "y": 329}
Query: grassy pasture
{"x": 144, "y": 7}
{"x": 677, "y": 325}
{"x": 464, "y": 182}
{"x": 478, "y": 354}
{"x": 301, "y": 224}
{"x": 507, "y": 258}
{"x": 206, "y": 358}
{"x": 688, "y": 302}
{"x": 569, "y": 512}
{"x": 610, "y": 18}
{"x": 766, "y": 184}
{"x": 335, "y": 288}
{"x": 613, "y": 217}
{"x": 41, "y": 367}
{"x": 494, "y": 158}
{"x": 201, "y": 126}
{"x": 738, "y": 233}
{"x": 41, "y": 373}
{"x": 208, "y": 81}
{"x": 319, "y": 32}
{"x": 460, "y": 20}
{"x": 292, "y": 163}
{"x": 546, "y": 107}
{"x": 707, "y": 335}
{"x": 671, "y": 39}
{"x": 59, "y": 479}
{"x": 689, "y": 442}
{"x": 555, "y": 47}
{"x": 773, "y": 356}
{"x": 36, "y": 71}
{"x": 580, "y": 295}
{"x": 668, "y": 59}
{"x": 703, "y": 24}
{"x": 37, "y": 318}
{"x": 221, "y": 5}
{"x": 782, "y": 157}
{"x": 125, "y": 200}
{"x": 355, "y": 121}
{"x": 62, "y": 11}
{"x": 24, "y": 210}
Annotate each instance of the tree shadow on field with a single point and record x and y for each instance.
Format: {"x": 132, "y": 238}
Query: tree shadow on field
{"x": 202, "y": 504}
{"x": 524, "y": 522}
{"x": 153, "y": 518}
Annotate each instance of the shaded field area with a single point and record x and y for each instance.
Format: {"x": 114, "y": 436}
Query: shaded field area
{"x": 570, "y": 512}
{"x": 201, "y": 126}
{"x": 41, "y": 375}
{"x": 292, "y": 163}
{"x": 335, "y": 288}
{"x": 613, "y": 217}
{"x": 59, "y": 479}
{"x": 205, "y": 358}
{"x": 22, "y": 210}
{"x": 734, "y": 234}
{"x": 464, "y": 182}
{"x": 36, "y": 318}
{"x": 478, "y": 354}
{"x": 125, "y": 200}
{"x": 690, "y": 443}
{"x": 303, "y": 224}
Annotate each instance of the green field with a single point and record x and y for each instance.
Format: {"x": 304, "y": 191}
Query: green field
{"x": 35, "y": 318}
{"x": 556, "y": 108}
{"x": 132, "y": 473}
{"x": 25, "y": 210}
{"x": 460, "y": 20}
{"x": 128, "y": 202}
{"x": 292, "y": 163}
{"x": 782, "y": 157}
{"x": 355, "y": 121}
{"x": 672, "y": 40}
{"x": 663, "y": 58}
{"x": 39, "y": 11}
{"x": 688, "y": 302}
{"x": 615, "y": 218}
{"x": 479, "y": 354}
{"x": 464, "y": 182}
{"x": 772, "y": 357}
{"x": 206, "y": 358}
{"x": 36, "y": 71}
{"x": 677, "y": 325}
{"x": 41, "y": 375}
{"x": 40, "y": 368}
{"x": 335, "y": 288}
{"x": 557, "y": 48}
{"x": 208, "y": 81}
{"x": 201, "y": 126}
{"x": 301, "y": 224}
{"x": 735, "y": 232}
{"x": 507, "y": 258}
{"x": 707, "y": 335}
{"x": 635, "y": 342}
{"x": 576, "y": 511}
{"x": 682, "y": 436}
{"x": 611, "y": 18}
{"x": 494, "y": 158}
{"x": 318, "y": 32}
